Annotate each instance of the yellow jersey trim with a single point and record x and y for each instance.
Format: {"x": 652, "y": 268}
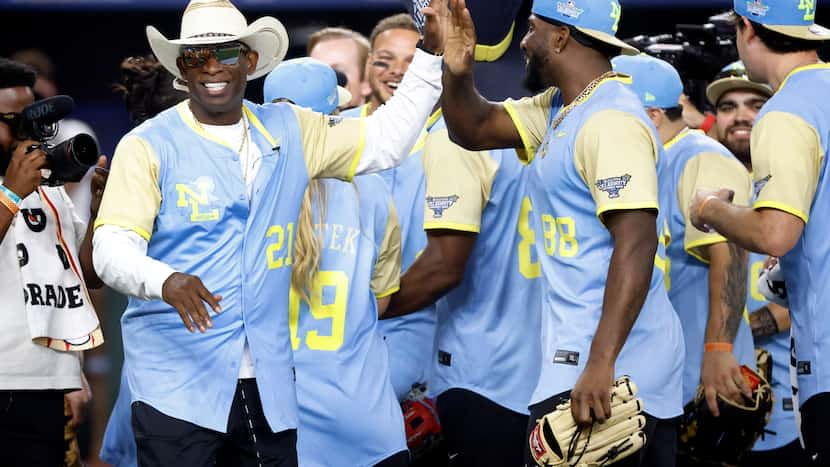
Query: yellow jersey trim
{"x": 782, "y": 207}
{"x": 258, "y": 125}
{"x": 452, "y": 226}
{"x": 359, "y": 152}
{"x": 491, "y": 53}
{"x": 690, "y": 247}
{"x": 364, "y": 111}
{"x": 815, "y": 66}
{"x": 124, "y": 225}
{"x": 186, "y": 117}
{"x": 388, "y": 292}
{"x": 677, "y": 138}
{"x": 525, "y": 154}
{"x": 628, "y": 207}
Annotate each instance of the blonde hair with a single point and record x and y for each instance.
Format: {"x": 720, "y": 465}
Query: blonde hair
{"x": 309, "y": 242}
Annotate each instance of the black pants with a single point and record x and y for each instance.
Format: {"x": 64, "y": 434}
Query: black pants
{"x": 31, "y": 428}
{"x": 479, "y": 432}
{"x": 166, "y": 441}
{"x": 661, "y": 437}
{"x": 400, "y": 459}
{"x": 790, "y": 455}
{"x": 815, "y": 428}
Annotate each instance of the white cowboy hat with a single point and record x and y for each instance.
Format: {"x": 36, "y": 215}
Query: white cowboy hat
{"x": 207, "y": 22}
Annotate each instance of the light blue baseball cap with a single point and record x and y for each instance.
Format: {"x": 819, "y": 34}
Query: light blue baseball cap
{"x": 733, "y": 77}
{"x": 596, "y": 18}
{"x": 793, "y": 18}
{"x": 306, "y": 82}
{"x": 655, "y": 81}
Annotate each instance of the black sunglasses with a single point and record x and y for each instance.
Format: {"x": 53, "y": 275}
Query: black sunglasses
{"x": 224, "y": 54}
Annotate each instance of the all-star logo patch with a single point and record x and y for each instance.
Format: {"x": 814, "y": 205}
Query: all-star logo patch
{"x": 613, "y": 185}
{"x": 757, "y": 8}
{"x": 335, "y": 120}
{"x": 760, "y": 184}
{"x": 569, "y": 9}
{"x": 439, "y": 204}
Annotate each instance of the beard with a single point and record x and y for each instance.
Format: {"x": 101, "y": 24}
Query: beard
{"x": 533, "y": 76}
{"x": 740, "y": 149}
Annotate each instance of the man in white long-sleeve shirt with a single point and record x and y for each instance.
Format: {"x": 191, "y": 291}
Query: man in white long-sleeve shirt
{"x": 182, "y": 224}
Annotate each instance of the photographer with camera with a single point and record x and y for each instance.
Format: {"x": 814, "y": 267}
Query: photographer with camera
{"x": 46, "y": 264}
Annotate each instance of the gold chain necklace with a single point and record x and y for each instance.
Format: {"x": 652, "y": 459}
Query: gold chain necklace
{"x": 580, "y": 98}
{"x": 242, "y": 144}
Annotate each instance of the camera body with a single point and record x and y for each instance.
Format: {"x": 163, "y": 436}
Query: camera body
{"x": 697, "y": 51}
{"x": 68, "y": 161}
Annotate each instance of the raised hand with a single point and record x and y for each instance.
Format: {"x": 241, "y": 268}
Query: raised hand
{"x": 460, "y": 46}
{"x": 437, "y": 16}
{"x": 187, "y": 295}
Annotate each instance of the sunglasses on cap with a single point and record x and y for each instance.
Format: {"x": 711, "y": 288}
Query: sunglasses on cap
{"x": 224, "y": 54}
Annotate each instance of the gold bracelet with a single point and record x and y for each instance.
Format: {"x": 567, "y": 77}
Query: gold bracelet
{"x": 9, "y": 204}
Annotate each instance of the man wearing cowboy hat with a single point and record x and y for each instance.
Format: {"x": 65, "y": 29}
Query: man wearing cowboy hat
{"x": 593, "y": 157}
{"x": 201, "y": 209}
{"x": 778, "y": 42}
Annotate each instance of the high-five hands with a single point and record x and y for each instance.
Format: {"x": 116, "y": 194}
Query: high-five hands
{"x": 460, "y": 47}
{"x": 437, "y": 18}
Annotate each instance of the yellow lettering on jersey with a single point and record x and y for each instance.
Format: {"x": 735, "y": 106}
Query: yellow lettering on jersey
{"x": 809, "y": 9}
{"x": 549, "y": 233}
{"x": 616, "y": 13}
{"x": 187, "y": 196}
{"x": 275, "y": 254}
{"x": 756, "y": 269}
{"x": 568, "y": 246}
{"x": 527, "y": 267}
{"x": 335, "y": 311}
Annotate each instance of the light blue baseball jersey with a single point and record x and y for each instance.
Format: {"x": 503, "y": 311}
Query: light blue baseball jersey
{"x": 118, "y": 447}
{"x": 781, "y": 428}
{"x": 789, "y": 159}
{"x": 349, "y": 414}
{"x": 696, "y": 161}
{"x": 183, "y": 191}
{"x": 488, "y": 326}
{"x": 603, "y": 156}
{"x": 410, "y": 337}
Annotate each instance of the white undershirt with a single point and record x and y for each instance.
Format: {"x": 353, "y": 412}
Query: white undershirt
{"x": 250, "y": 158}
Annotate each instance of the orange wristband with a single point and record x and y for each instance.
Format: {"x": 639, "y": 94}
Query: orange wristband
{"x": 9, "y": 204}
{"x": 717, "y": 347}
{"x": 703, "y": 204}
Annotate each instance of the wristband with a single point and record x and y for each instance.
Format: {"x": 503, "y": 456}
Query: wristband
{"x": 10, "y": 194}
{"x": 9, "y": 204}
{"x": 708, "y": 122}
{"x": 717, "y": 347}
{"x": 703, "y": 204}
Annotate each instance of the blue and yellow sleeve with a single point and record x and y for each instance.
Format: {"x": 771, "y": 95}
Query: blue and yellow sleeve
{"x": 616, "y": 155}
{"x": 386, "y": 278}
{"x": 786, "y": 159}
{"x": 132, "y": 198}
{"x": 332, "y": 145}
{"x": 458, "y": 184}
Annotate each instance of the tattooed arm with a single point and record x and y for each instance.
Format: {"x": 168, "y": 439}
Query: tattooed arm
{"x": 769, "y": 320}
{"x": 720, "y": 373}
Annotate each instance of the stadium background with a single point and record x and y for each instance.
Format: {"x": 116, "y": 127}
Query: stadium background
{"x": 88, "y": 39}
